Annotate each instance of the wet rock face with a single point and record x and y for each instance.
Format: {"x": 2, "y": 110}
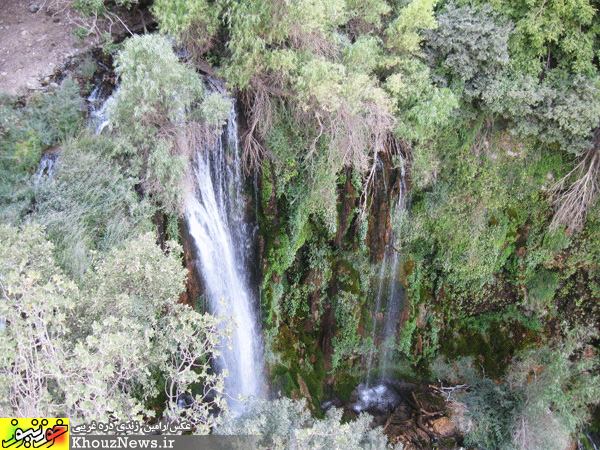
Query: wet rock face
{"x": 376, "y": 398}
{"x": 193, "y": 285}
{"x": 385, "y": 188}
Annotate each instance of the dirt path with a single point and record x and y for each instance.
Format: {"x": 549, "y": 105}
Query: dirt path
{"x": 33, "y": 42}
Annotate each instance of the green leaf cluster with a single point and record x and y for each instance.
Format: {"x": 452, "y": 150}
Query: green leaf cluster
{"x": 286, "y": 424}
{"x": 545, "y": 400}
{"x": 106, "y": 349}
{"x": 157, "y": 112}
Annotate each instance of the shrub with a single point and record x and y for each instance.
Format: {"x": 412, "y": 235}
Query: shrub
{"x": 103, "y": 351}
{"x": 546, "y": 399}
{"x": 89, "y": 205}
{"x": 154, "y": 111}
{"x": 493, "y": 409}
{"x": 287, "y": 424}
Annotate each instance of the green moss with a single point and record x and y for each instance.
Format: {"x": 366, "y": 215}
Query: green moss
{"x": 491, "y": 343}
{"x": 282, "y": 382}
{"x": 344, "y": 385}
{"x": 266, "y": 191}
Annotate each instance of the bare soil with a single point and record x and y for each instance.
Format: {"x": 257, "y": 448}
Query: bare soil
{"x": 34, "y": 41}
{"x": 37, "y": 38}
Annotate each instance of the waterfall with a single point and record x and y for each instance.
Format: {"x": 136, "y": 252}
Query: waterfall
{"x": 215, "y": 215}
{"x": 390, "y": 293}
{"x": 99, "y": 102}
{"x": 46, "y": 167}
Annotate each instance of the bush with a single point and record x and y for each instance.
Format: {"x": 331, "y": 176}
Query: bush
{"x": 287, "y": 424}
{"x": 493, "y": 409}
{"x": 559, "y": 382}
{"x": 104, "y": 351}
{"x": 89, "y": 205}
{"x": 154, "y": 111}
{"x": 154, "y": 86}
{"x": 546, "y": 399}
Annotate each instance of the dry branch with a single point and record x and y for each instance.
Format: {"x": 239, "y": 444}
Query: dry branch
{"x": 98, "y": 23}
{"x": 573, "y": 203}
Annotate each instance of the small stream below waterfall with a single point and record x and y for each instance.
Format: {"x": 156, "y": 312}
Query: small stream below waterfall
{"x": 223, "y": 241}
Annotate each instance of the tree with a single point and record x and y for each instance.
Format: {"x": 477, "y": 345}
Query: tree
{"x": 469, "y": 48}
{"x": 105, "y": 351}
{"x": 156, "y": 111}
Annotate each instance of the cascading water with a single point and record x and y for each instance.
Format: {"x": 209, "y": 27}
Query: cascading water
{"x": 378, "y": 391}
{"x": 390, "y": 292}
{"x": 99, "y": 102}
{"x": 47, "y": 166}
{"x": 215, "y": 215}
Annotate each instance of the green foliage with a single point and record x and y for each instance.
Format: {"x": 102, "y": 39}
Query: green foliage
{"x": 89, "y": 205}
{"x": 459, "y": 370}
{"x": 478, "y": 213}
{"x": 562, "y": 378}
{"x": 286, "y": 424}
{"x": 25, "y": 132}
{"x": 155, "y": 86}
{"x": 562, "y": 109}
{"x": 541, "y": 289}
{"x": 565, "y": 32}
{"x": 165, "y": 176}
{"x": 195, "y": 22}
{"x": 348, "y": 342}
{"x": 479, "y": 49}
{"x": 403, "y": 32}
{"x": 57, "y": 116}
{"x": 154, "y": 111}
{"x": 421, "y": 107}
{"x": 87, "y": 68}
{"x": 546, "y": 400}
{"x": 464, "y": 211}
{"x": 46, "y": 120}
{"x": 95, "y": 7}
{"x": 35, "y": 299}
{"x": 93, "y": 353}
{"x": 492, "y": 408}
{"x": 215, "y": 109}
{"x": 469, "y": 47}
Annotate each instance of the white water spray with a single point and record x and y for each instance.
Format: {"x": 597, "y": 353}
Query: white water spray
{"x": 215, "y": 215}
